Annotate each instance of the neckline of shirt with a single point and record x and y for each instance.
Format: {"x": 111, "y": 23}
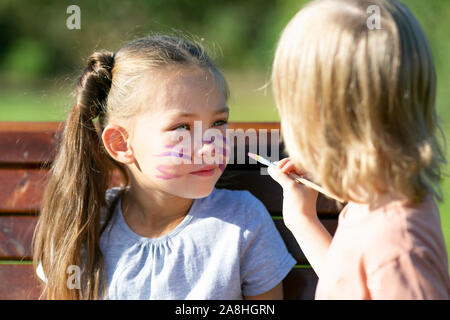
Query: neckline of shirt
{"x": 133, "y": 235}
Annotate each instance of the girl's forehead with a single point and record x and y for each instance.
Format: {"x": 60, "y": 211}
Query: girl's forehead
{"x": 184, "y": 91}
{"x": 180, "y": 111}
{"x": 184, "y": 81}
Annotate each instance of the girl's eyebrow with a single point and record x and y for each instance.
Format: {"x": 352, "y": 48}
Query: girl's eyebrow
{"x": 225, "y": 109}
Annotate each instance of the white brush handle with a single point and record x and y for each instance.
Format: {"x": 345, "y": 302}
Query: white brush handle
{"x": 313, "y": 186}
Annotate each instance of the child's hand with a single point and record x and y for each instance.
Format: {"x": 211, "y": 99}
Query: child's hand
{"x": 299, "y": 201}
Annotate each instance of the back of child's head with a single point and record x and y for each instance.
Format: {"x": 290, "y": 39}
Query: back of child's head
{"x": 108, "y": 88}
{"x": 357, "y": 100}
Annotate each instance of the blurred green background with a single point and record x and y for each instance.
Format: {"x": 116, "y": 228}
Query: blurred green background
{"x": 40, "y": 58}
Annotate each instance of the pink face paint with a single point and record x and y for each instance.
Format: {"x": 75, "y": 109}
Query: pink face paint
{"x": 166, "y": 175}
{"x": 174, "y": 153}
{"x": 171, "y": 153}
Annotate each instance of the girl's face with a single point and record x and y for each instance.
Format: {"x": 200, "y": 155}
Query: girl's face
{"x": 179, "y": 145}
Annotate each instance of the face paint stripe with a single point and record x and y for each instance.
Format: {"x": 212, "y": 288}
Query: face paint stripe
{"x": 165, "y": 175}
{"x": 173, "y": 154}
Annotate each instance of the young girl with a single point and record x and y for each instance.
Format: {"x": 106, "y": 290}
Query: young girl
{"x": 169, "y": 234}
{"x": 357, "y": 107}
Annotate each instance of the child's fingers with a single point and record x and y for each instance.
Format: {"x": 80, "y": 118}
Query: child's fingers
{"x": 287, "y": 166}
{"x": 283, "y": 179}
{"x": 290, "y": 167}
{"x": 280, "y": 164}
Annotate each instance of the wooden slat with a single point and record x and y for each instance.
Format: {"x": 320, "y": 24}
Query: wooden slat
{"x": 16, "y": 234}
{"x": 300, "y": 284}
{"x": 21, "y": 190}
{"x": 18, "y": 281}
{"x": 291, "y": 243}
{"x": 27, "y": 147}
{"x": 29, "y": 126}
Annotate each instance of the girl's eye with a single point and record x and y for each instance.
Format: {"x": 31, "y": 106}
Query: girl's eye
{"x": 219, "y": 123}
{"x": 183, "y": 126}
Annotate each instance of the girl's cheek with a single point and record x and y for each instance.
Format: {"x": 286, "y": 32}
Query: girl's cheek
{"x": 174, "y": 153}
{"x": 170, "y": 161}
{"x": 166, "y": 172}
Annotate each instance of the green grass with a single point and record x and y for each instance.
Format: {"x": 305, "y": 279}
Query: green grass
{"x": 251, "y": 98}
{"x": 33, "y": 105}
{"x": 16, "y": 262}
{"x": 248, "y": 102}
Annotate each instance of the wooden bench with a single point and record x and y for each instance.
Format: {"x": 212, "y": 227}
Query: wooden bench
{"x": 27, "y": 149}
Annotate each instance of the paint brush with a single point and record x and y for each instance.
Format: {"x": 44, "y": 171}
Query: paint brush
{"x": 295, "y": 176}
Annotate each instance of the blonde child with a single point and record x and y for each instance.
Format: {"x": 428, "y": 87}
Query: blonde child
{"x": 169, "y": 234}
{"x": 357, "y": 108}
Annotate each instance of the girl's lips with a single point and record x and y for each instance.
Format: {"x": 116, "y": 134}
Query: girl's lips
{"x": 206, "y": 172}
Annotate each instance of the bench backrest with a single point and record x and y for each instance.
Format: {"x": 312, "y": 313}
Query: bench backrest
{"x": 27, "y": 149}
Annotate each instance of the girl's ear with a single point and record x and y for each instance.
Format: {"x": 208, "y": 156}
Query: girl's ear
{"x": 116, "y": 142}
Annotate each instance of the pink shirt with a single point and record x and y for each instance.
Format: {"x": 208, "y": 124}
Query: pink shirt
{"x": 394, "y": 252}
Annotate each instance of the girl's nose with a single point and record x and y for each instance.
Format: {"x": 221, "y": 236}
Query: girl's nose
{"x": 207, "y": 149}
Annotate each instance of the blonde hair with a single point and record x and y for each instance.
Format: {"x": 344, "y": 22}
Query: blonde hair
{"x": 357, "y": 105}
{"x": 69, "y": 226}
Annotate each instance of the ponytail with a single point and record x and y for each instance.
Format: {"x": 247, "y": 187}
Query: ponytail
{"x": 68, "y": 230}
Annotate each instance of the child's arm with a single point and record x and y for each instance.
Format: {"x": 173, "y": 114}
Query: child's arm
{"x": 300, "y": 215}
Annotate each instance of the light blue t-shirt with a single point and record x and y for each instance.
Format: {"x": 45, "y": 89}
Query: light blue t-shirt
{"x": 226, "y": 247}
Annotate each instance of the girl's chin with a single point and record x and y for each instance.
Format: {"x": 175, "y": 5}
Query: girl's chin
{"x": 194, "y": 193}
{"x": 190, "y": 185}
{"x": 195, "y": 187}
